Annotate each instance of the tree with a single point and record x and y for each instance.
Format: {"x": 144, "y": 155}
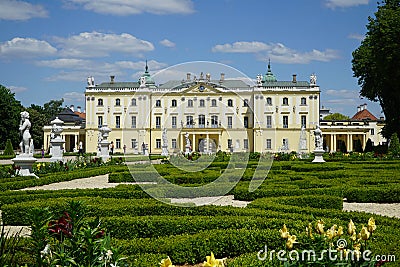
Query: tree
{"x": 358, "y": 146}
{"x": 38, "y": 120}
{"x": 10, "y": 110}
{"x": 368, "y": 146}
{"x": 394, "y": 146}
{"x": 9, "y": 151}
{"x": 376, "y": 63}
{"x": 52, "y": 108}
{"x": 336, "y": 117}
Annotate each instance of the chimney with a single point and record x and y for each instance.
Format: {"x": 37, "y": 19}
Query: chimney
{"x": 208, "y": 77}
{"x": 294, "y": 78}
{"x": 72, "y": 108}
{"x": 79, "y": 109}
{"x": 188, "y": 76}
{"x": 365, "y": 106}
{"x": 358, "y": 108}
{"x": 112, "y": 77}
{"x": 222, "y": 77}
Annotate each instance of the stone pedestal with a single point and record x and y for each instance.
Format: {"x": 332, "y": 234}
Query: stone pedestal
{"x": 187, "y": 150}
{"x": 318, "y": 156}
{"x": 57, "y": 145}
{"x": 26, "y": 162}
{"x": 104, "y": 152}
{"x": 164, "y": 151}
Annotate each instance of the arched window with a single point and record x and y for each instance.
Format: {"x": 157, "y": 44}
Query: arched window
{"x": 230, "y": 103}
{"x": 174, "y": 103}
{"x": 133, "y": 102}
{"x": 99, "y": 102}
{"x": 214, "y": 103}
{"x": 202, "y": 103}
{"x": 285, "y": 101}
{"x": 303, "y": 101}
{"x": 269, "y": 101}
{"x": 246, "y": 103}
{"x": 118, "y": 102}
{"x": 158, "y": 103}
{"x": 190, "y": 103}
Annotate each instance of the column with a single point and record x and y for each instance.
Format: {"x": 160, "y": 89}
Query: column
{"x": 331, "y": 143}
{"x": 348, "y": 142}
{"x": 334, "y": 143}
{"x": 182, "y": 148}
{"x": 364, "y": 140}
{"x": 194, "y": 143}
{"x": 350, "y": 146}
{"x": 219, "y": 142}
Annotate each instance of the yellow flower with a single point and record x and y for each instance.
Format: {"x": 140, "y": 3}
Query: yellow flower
{"x": 364, "y": 233}
{"x": 212, "y": 262}
{"x": 339, "y": 231}
{"x": 284, "y": 232}
{"x": 371, "y": 225}
{"x": 291, "y": 241}
{"x": 331, "y": 233}
{"x": 351, "y": 228}
{"x": 354, "y": 236}
{"x": 320, "y": 227}
{"x": 357, "y": 246}
{"x": 309, "y": 231}
{"x": 166, "y": 263}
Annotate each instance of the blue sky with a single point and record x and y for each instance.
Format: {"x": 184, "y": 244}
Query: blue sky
{"x": 49, "y": 48}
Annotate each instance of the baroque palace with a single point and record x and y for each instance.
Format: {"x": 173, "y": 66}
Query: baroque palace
{"x": 216, "y": 114}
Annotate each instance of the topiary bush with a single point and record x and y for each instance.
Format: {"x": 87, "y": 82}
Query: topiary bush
{"x": 9, "y": 151}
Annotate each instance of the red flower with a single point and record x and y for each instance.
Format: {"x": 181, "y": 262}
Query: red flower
{"x": 61, "y": 227}
{"x": 100, "y": 234}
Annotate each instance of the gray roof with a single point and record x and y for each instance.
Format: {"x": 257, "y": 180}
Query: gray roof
{"x": 118, "y": 85}
{"x": 286, "y": 84}
{"x": 226, "y": 83}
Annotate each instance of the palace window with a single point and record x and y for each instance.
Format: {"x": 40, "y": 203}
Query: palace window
{"x": 158, "y": 143}
{"x": 202, "y": 121}
{"x": 269, "y": 101}
{"x": 245, "y": 103}
{"x": 214, "y": 121}
{"x": 230, "y": 103}
{"x": 269, "y": 144}
{"x": 133, "y": 143}
{"x": 230, "y": 122}
{"x": 117, "y": 122}
{"x": 117, "y": 143}
{"x": 118, "y": 102}
{"x": 246, "y": 122}
{"x": 173, "y": 121}
{"x": 285, "y": 121}
{"x": 202, "y": 103}
{"x": 99, "y": 102}
{"x": 269, "y": 121}
{"x": 190, "y": 103}
{"x": 303, "y": 121}
{"x": 133, "y": 102}
{"x": 174, "y": 103}
{"x": 158, "y": 122}
{"x": 230, "y": 145}
{"x": 133, "y": 122}
{"x": 173, "y": 143}
{"x": 246, "y": 143}
{"x": 372, "y": 131}
{"x": 158, "y": 103}
{"x": 285, "y": 101}
{"x": 214, "y": 103}
{"x": 303, "y": 101}
{"x": 100, "y": 121}
{"x": 189, "y": 121}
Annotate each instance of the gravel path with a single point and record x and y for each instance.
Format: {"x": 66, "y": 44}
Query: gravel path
{"x": 389, "y": 210}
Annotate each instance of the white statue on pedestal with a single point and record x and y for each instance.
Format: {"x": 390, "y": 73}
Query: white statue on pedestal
{"x": 313, "y": 79}
{"x": 319, "y": 143}
{"x": 24, "y": 128}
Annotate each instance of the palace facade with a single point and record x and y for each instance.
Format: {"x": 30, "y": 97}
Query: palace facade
{"x": 217, "y": 114}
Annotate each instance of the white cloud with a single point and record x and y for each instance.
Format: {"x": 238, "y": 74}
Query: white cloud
{"x": 74, "y": 97}
{"x": 95, "y": 44}
{"x": 26, "y": 47}
{"x": 344, "y": 93}
{"x": 345, "y": 3}
{"x": 356, "y": 36}
{"x": 20, "y": 10}
{"x": 69, "y": 63}
{"x": 17, "y": 89}
{"x": 242, "y": 47}
{"x": 277, "y": 52}
{"x": 167, "y": 43}
{"x": 132, "y": 7}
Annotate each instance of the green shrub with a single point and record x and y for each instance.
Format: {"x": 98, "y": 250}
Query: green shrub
{"x": 8, "y": 150}
{"x": 394, "y": 146}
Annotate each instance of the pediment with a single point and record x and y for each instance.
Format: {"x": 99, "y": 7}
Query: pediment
{"x": 200, "y": 88}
